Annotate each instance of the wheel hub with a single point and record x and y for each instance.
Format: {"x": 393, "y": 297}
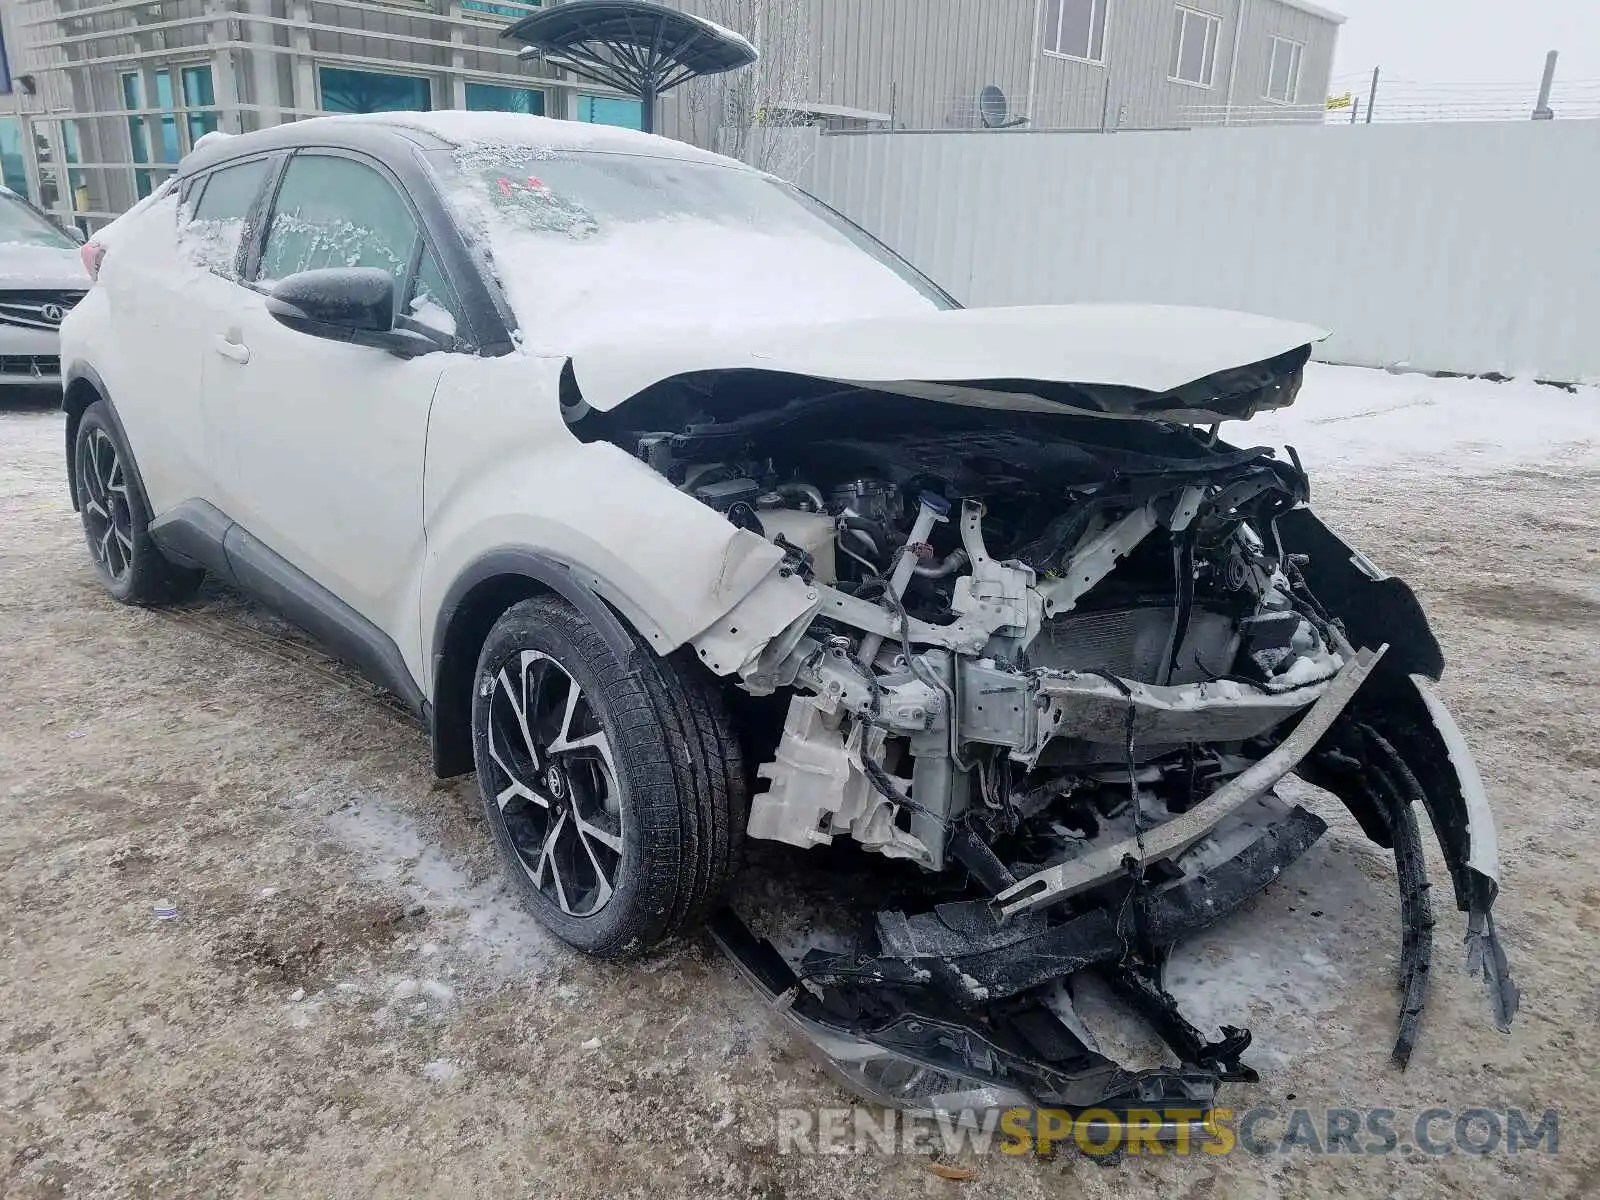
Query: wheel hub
{"x": 104, "y": 503}
{"x": 555, "y": 781}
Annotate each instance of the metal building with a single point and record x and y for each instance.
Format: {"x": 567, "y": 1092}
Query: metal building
{"x": 107, "y": 95}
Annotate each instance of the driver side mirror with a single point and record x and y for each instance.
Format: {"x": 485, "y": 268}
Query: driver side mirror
{"x": 346, "y": 304}
{"x": 76, "y": 234}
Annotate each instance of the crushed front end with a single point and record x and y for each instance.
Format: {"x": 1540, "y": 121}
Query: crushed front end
{"x": 1059, "y": 664}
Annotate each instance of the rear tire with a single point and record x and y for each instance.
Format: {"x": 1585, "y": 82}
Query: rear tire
{"x": 116, "y": 518}
{"x": 613, "y": 782}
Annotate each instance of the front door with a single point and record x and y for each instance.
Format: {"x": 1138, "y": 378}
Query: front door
{"x": 324, "y": 439}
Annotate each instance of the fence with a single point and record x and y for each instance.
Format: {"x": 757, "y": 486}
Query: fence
{"x": 1456, "y": 247}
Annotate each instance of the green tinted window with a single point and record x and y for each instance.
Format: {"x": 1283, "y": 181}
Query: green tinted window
{"x": 337, "y": 212}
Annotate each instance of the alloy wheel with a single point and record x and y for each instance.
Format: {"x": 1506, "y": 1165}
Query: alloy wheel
{"x": 556, "y": 783}
{"x": 103, "y": 497}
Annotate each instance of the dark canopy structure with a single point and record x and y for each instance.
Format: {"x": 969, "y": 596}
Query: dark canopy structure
{"x": 634, "y": 46}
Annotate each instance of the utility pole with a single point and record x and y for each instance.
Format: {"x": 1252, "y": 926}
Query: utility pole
{"x": 1372, "y": 100}
{"x": 1542, "y": 111}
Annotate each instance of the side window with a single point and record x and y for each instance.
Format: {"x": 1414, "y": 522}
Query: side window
{"x": 431, "y": 301}
{"x": 220, "y": 206}
{"x": 336, "y": 212}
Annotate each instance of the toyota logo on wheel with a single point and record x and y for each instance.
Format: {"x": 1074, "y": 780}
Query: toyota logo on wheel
{"x": 52, "y": 313}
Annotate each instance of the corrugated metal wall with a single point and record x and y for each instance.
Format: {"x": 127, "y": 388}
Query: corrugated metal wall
{"x": 1455, "y": 247}
{"x": 925, "y": 61}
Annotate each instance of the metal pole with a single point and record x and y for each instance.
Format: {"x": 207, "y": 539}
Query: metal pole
{"x": 647, "y": 109}
{"x": 1542, "y": 111}
{"x": 1355, "y": 110}
{"x": 1372, "y": 100}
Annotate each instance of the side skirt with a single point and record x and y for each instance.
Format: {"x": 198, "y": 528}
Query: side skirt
{"x": 199, "y": 534}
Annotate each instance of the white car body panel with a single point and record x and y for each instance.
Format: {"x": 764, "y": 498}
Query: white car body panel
{"x": 669, "y": 563}
{"x": 41, "y": 267}
{"x": 1149, "y": 347}
{"x": 161, "y": 308}
{"x": 320, "y": 455}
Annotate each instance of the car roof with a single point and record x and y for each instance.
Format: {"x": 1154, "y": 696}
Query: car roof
{"x": 390, "y": 133}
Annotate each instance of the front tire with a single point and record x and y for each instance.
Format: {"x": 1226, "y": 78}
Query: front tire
{"x": 116, "y": 518}
{"x": 612, "y": 782}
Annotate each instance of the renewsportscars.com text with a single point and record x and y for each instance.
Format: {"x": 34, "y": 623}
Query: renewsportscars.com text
{"x": 1261, "y": 1131}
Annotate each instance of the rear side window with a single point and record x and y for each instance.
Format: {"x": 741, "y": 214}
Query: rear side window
{"x": 337, "y": 212}
{"x": 219, "y": 215}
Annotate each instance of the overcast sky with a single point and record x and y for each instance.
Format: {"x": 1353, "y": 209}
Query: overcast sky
{"x": 1460, "y": 41}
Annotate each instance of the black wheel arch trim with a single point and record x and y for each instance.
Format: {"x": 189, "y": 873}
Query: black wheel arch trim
{"x": 1375, "y": 608}
{"x": 83, "y": 373}
{"x": 602, "y": 605}
{"x": 203, "y": 534}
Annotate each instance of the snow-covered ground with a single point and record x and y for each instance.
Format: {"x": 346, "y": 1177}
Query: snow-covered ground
{"x": 1351, "y": 418}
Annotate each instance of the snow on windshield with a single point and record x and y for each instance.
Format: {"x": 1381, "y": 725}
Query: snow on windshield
{"x": 595, "y": 247}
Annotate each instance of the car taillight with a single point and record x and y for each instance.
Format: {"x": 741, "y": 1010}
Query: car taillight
{"x": 93, "y": 254}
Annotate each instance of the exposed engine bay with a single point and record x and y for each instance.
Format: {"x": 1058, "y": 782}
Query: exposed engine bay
{"x": 1068, "y": 660}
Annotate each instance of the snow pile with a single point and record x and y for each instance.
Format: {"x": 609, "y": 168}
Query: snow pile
{"x": 1352, "y": 417}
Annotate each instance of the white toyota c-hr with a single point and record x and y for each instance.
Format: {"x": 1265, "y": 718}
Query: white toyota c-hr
{"x": 681, "y": 510}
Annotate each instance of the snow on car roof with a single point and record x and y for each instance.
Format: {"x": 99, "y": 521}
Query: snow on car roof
{"x": 518, "y": 129}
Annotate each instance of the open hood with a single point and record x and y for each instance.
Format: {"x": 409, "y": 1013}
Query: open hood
{"x": 1123, "y": 360}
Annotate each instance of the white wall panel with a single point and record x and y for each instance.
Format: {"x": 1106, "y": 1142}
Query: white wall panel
{"x": 1452, "y": 247}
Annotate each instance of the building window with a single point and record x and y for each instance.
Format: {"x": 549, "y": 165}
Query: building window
{"x": 199, "y": 96}
{"x": 609, "y": 110}
{"x": 346, "y": 91}
{"x": 489, "y": 97}
{"x": 77, "y": 181}
{"x": 152, "y": 139}
{"x": 1283, "y": 72}
{"x": 1076, "y": 28}
{"x": 498, "y": 11}
{"x": 1194, "y": 46}
{"x": 12, "y": 171}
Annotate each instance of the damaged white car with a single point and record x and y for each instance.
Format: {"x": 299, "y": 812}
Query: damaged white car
{"x": 683, "y": 512}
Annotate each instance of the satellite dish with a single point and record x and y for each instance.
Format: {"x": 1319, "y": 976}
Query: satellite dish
{"x": 993, "y": 110}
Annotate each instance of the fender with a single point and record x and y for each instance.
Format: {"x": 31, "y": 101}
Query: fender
{"x": 1375, "y": 607}
{"x": 544, "y": 569}
{"x": 473, "y": 602}
{"x": 81, "y": 372}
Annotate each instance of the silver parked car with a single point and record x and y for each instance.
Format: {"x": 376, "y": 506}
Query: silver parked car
{"x": 42, "y": 277}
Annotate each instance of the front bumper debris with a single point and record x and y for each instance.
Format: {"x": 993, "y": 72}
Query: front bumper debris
{"x": 1060, "y": 882}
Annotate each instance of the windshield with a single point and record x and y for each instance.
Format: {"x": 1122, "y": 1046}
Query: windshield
{"x": 19, "y": 224}
{"x": 590, "y": 245}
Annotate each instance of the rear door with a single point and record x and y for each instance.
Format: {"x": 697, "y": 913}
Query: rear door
{"x": 216, "y": 226}
{"x": 168, "y": 275}
{"x": 322, "y": 441}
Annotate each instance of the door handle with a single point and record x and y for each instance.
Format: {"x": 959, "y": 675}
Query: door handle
{"x": 236, "y": 351}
